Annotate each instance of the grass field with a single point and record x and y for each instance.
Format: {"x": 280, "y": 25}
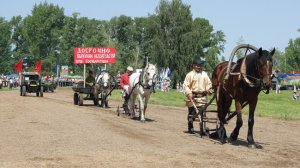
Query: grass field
{"x": 280, "y": 106}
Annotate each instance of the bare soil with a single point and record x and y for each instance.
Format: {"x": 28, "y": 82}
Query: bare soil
{"x": 51, "y": 131}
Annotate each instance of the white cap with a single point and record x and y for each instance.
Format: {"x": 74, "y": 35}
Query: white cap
{"x": 129, "y": 68}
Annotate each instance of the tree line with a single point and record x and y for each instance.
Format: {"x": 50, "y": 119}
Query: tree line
{"x": 170, "y": 37}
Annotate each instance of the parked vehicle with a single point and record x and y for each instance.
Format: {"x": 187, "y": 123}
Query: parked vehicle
{"x": 31, "y": 83}
{"x": 49, "y": 86}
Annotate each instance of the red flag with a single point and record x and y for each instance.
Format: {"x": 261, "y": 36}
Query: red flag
{"x": 18, "y": 66}
{"x": 38, "y": 66}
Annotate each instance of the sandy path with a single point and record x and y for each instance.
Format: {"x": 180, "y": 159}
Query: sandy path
{"x": 52, "y": 132}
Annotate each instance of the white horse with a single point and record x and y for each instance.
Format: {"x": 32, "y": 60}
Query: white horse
{"x": 141, "y": 85}
{"x": 104, "y": 82}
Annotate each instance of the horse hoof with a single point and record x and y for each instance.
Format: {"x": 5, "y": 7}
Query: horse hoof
{"x": 224, "y": 140}
{"x": 142, "y": 121}
{"x": 255, "y": 146}
{"x": 252, "y": 146}
{"x": 231, "y": 139}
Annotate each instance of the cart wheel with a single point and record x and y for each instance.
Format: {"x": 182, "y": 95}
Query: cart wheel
{"x": 80, "y": 103}
{"x": 75, "y": 98}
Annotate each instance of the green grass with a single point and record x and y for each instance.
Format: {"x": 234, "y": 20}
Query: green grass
{"x": 171, "y": 98}
{"x": 280, "y": 106}
{"x": 6, "y": 89}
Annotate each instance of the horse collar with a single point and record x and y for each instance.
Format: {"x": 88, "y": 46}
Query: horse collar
{"x": 244, "y": 75}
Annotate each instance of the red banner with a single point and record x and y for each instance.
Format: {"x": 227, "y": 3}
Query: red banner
{"x": 99, "y": 55}
{"x": 38, "y": 66}
{"x": 18, "y": 66}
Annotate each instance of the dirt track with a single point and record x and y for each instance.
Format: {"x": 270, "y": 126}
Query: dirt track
{"x": 52, "y": 132}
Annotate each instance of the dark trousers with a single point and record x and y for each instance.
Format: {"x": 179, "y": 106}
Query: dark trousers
{"x": 126, "y": 99}
{"x": 192, "y": 112}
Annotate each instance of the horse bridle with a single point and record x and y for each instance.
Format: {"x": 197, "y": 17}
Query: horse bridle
{"x": 101, "y": 82}
{"x": 140, "y": 82}
{"x": 146, "y": 85}
{"x": 258, "y": 82}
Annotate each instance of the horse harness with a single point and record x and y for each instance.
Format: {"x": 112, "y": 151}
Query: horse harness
{"x": 250, "y": 80}
{"x": 140, "y": 82}
{"x": 145, "y": 85}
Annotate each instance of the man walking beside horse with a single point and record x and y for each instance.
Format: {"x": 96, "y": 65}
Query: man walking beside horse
{"x": 124, "y": 84}
{"x": 196, "y": 85}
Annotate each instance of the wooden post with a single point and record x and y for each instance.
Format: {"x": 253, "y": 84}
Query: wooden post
{"x": 84, "y": 75}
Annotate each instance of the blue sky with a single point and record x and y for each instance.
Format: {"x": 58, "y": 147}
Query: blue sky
{"x": 262, "y": 23}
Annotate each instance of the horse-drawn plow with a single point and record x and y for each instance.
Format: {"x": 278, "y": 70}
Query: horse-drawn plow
{"x": 242, "y": 82}
{"x": 141, "y": 86}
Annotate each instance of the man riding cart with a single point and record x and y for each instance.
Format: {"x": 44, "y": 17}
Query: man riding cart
{"x": 86, "y": 90}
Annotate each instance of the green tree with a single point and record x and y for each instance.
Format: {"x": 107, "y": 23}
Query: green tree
{"x": 171, "y": 32}
{"x": 18, "y": 41}
{"x": 80, "y": 32}
{"x": 42, "y": 31}
{"x": 292, "y": 55}
{"x": 279, "y": 61}
{"x": 210, "y": 43}
{"x": 5, "y": 47}
{"x": 122, "y": 30}
{"x": 176, "y": 39}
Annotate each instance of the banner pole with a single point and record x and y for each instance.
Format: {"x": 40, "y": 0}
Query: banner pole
{"x": 84, "y": 75}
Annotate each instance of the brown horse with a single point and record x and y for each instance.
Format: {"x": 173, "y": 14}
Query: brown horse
{"x": 247, "y": 78}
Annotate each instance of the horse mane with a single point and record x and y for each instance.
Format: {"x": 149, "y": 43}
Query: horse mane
{"x": 151, "y": 67}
